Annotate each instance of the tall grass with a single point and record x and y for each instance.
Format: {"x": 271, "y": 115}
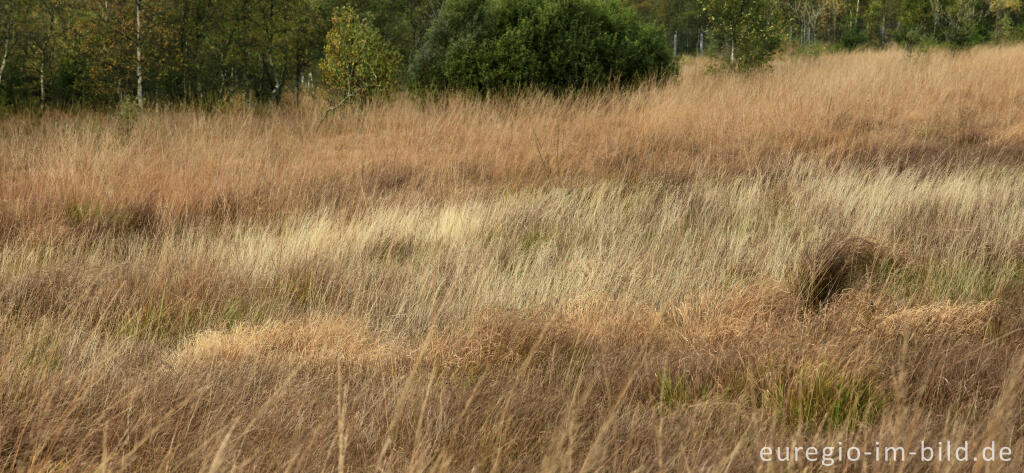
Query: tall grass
{"x": 661, "y": 279}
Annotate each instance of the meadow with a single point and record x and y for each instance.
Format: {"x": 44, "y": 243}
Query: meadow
{"x": 665, "y": 278}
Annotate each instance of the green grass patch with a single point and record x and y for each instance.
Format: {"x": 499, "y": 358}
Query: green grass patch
{"x": 826, "y": 397}
{"x": 674, "y": 391}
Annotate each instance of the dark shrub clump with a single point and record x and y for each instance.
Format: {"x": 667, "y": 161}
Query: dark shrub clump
{"x": 500, "y": 45}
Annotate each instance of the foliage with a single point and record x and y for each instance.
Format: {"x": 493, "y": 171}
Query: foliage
{"x": 201, "y": 51}
{"x": 681, "y": 20}
{"x": 210, "y": 52}
{"x": 549, "y": 44}
{"x": 748, "y": 30}
{"x": 358, "y": 63}
{"x": 403, "y": 23}
{"x": 1008, "y": 25}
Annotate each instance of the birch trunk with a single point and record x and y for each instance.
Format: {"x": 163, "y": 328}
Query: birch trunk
{"x": 3, "y": 60}
{"x": 273, "y": 73}
{"x": 138, "y": 52}
{"x": 42, "y": 85}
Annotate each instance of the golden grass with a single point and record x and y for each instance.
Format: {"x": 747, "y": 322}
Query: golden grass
{"x": 607, "y": 282}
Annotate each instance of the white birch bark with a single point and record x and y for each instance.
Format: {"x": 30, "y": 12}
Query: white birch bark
{"x": 138, "y": 52}
{"x": 3, "y": 60}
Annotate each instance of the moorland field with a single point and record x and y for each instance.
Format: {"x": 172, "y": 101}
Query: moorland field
{"x": 665, "y": 278}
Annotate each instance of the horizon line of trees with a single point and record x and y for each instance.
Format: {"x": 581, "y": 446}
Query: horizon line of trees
{"x": 102, "y": 52}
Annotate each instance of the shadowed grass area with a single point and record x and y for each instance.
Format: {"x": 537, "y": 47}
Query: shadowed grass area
{"x": 92, "y": 218}
{"x": 835, "y": 266}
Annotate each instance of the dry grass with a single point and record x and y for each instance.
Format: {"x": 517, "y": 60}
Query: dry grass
{"x": 664, "y": 279}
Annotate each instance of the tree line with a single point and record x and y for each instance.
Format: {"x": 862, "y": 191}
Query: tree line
{"x": 849, "y": 23}
{"x": 100, "y": 52}
{"x": 95, "y": 51}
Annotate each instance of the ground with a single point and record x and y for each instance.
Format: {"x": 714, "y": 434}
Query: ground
{"x": 668, "y": 278}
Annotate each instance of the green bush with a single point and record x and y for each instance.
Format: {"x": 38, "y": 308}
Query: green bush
{"x": 490, "y": 45}
{"x": 358, "y": 63}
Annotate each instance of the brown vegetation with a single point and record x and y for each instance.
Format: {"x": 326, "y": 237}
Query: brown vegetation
{"x": 664, "y": 279}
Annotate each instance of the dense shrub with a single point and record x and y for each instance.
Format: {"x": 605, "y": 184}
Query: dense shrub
{"x": 358, "y": 63}
{"x": 549, "y": 44}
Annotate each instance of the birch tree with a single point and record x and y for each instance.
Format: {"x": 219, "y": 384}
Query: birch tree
{"x": 747, "y": 32}
{"x": 6, "y": 35}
